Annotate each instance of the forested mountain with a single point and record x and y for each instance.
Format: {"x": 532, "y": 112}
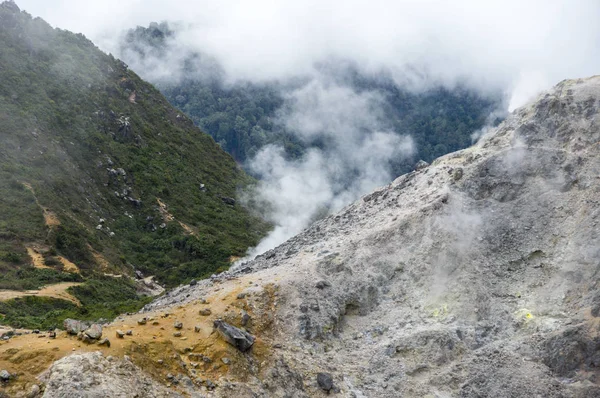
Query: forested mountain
{"x": 245, "y": 116}
{"x": 102, "y": 179}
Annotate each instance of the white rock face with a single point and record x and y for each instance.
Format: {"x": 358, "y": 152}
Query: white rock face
{"x": 91, "y": 375}
{"x": 474, "y": 277}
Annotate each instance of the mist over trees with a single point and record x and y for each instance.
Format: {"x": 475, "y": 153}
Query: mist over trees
{"x": 245, "y": 116}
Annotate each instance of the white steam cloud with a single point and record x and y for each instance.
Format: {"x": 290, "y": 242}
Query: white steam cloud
{"x": 325, "y": 181}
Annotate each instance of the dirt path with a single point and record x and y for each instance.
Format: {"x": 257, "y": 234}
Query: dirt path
{"x": 58, "y": 291}
{"x": 50, "y": 217}
{"x": 38, "y": 260}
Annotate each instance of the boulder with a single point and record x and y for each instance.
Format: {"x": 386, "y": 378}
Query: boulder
{"x": 94, "y": 332}
{"x": 105, "y": 342}
{"x": 73, "y": 326}
{"x": 325, "y": 382}
{"x": 238, "y": 338}
{"x": 5, "y": 376}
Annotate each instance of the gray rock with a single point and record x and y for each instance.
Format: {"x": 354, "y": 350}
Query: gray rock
{"x": 240, "y": 339}
{"x": 325, "y": 381}
{"x": 228, "y": 201}
{"x": 120, "y": 334}
{"x": 94, "y": 332}
{"x": 5, "y": 375}
{"x": 421, "y": 164}
{"x": 92, "y": 375}
{"x": 104, "y": 342}
{"x": 205, "y": 312}
{"x": 178, "y": 325}
{"x": 73, "y": 326}
{"x": 322, "y": 284}
{"x": 245, "y": 318}
{"x": 34, "y": 391}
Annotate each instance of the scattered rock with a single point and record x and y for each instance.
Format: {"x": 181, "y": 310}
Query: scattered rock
{"x": 205, "y": 312}
{"x": 142, "y": 321}
{"x": 73, "y": 326}
{"x": 120, "y": 334}
{"x": 325, "y": 382}
{"x": 421, "y": 164}
{"x": 210, "y": 385}
{"x": 177, "y": 334}
{"x": 52, "y": 334}
{"x": 245, "y": 318}
{"x": 241, "y": 296}
{"x": 240, "y": 339}
{"x": 94, "y": 332}
{"x": 193, "y": 282}
{"x": 178, "y": 325}
{"x": 129, "y": 333}
{"x": 226, "y": 361}
{"x": 322, "y": 284}
{"x": 197, "y": 329}
{"x": 105, "y": 342}
{"x": 34, "y": 391}
{"x": 5, "y": 376}
{"x": 228, "y": 201}
{"x": 458, "y": 174}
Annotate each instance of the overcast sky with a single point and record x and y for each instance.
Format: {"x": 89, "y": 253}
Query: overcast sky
{"x": 518, "y": 45}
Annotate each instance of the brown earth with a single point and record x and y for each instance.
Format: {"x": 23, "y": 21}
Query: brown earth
{"x": 153, "y": 346}
{"x": 57, "y": 291}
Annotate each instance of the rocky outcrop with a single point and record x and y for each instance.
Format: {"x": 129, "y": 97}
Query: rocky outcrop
{"x": 93, "y": 375}
{"x": 238, "y": 338}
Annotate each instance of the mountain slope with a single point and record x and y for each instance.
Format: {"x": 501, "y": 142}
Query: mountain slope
{"x": 100, "y": 175}
{"x": 475, "y": 276}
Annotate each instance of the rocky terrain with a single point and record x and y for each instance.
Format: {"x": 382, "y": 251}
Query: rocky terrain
{"x": 475, "y": 276}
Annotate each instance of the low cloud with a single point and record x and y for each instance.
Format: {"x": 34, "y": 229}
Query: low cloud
{"x": 357, "y": 159}
{"x": 520, "y": 47}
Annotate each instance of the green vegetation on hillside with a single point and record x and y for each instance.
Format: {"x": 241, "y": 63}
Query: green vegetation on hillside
{"x": 131, "y": 183}
{"x": 100, "y": 297}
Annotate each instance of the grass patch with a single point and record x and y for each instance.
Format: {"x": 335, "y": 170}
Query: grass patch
{"x": 102, "y": 299}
